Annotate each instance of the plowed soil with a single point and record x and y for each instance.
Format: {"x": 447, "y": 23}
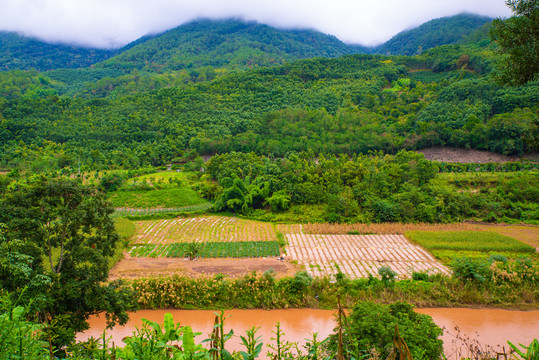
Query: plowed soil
{"x": 468, "y": 156}
{"x": 134, "y": 267}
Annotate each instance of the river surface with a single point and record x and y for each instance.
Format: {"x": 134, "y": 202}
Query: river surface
{"x": 486, "y": 327}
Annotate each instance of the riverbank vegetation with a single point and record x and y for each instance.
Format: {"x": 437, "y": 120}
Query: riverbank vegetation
{"x": 502, "y": 283}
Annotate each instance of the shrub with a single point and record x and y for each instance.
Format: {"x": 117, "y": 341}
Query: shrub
{"x": 468, "y": 269}
{"x": 372, "y": 326}
{"x": 387, "y": 275}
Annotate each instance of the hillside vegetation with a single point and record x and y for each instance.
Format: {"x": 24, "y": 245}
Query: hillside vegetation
{"x": 353, "y": 104}
{"x": 18, "y": 52}
{"x": 442, "y": 31}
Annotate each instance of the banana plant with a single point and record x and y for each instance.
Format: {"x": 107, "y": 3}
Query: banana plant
{"x": 531, "y": 351}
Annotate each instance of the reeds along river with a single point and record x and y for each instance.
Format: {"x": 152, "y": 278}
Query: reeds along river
{"x": 489, "y": 327}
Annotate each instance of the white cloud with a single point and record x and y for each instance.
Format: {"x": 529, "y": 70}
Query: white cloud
{"x": 112, "y": 23}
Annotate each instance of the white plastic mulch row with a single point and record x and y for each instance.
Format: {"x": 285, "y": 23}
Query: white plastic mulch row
{"x": 360, "y": 255}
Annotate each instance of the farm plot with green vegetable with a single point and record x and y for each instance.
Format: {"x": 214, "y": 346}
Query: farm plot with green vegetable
{"x": 449, "y": 245}
{"x": 238, "y": 249}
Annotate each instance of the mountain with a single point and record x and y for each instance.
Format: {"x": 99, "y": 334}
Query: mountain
{"x": 18, "y": 52}
{"x": 226, "y": 43}
{"x": 231, "y": 43}
{"x": 442, "y": 31}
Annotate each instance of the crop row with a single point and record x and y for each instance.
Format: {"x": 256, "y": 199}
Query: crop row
{"x": 120, "y": 212}
{"x": 203, "y": 229}
{"x": 209, "y": 250}
{"x": 359, "y": 255}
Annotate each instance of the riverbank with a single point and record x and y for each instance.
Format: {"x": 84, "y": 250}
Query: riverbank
{"x": 487, "y": 328}
{"x": 501, "y": 288}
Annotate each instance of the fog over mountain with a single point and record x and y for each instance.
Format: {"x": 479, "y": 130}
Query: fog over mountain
{"x": 114, "y": 23}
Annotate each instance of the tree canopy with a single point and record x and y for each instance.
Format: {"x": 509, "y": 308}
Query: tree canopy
{"x": 62, "y": 235}
{"x": 518, "y": 38}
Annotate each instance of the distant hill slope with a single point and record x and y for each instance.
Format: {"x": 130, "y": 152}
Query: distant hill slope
{"x": 443, "y": 31}
{"x": 226, "y": 43}
{"x": 18, "y": 52}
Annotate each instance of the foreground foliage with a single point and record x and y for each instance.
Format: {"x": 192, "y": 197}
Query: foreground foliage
{"x": 57, "y": 240}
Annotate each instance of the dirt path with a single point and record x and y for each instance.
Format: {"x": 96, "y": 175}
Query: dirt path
{"x": 133, "y": 267}
{"x": 468, "y": 156}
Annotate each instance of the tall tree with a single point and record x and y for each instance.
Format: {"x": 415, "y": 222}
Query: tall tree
{"x": 66, "y": 234}
{"x": 518, "y": 38}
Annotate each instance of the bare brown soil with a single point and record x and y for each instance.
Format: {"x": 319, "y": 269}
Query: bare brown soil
{"x": 467, "y": 156}
{"x": 134, "y": 267}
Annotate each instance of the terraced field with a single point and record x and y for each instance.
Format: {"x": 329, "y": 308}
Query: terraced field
{"x": 359, "y": 255}
{"x": 202, "y": 229}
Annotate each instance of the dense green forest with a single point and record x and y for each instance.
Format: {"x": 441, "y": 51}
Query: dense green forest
{"x": 443, "y": 31}
{"x": 228, "y": 43}
{"x": 351, "y": 105}
{"x": 18, "y": 52}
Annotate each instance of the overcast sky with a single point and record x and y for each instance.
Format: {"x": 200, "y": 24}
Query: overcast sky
{"x": 114, "y": 23}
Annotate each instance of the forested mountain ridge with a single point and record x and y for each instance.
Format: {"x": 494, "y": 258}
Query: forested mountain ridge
{"x": 220, "y": 44}
{"x": 18, "y": 52}
{"x": 226, "y": 43}
{"x": 442, "y": 31}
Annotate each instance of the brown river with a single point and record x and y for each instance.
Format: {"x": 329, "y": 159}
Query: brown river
{"x": 487, "y": 327}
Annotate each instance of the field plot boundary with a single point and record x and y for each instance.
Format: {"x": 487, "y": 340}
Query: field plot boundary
{"x": 359, "y": 256}
{"x": 202, "y": 229}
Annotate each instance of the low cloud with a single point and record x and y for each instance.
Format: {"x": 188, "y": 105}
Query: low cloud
{"x": 114, "y": 23}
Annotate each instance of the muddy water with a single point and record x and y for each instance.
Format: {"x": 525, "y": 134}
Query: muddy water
{"x": 491, "y": 327}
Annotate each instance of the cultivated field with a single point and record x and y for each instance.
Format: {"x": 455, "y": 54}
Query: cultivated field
{"x": 380, "y": 229}
{"x": 359, "y": 255}
{"x": 449, "y": 245}
{"x": 202, "y": 229}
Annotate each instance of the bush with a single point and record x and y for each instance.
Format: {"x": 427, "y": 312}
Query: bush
{"x": 468, "y": 269}
{"x": 113, "y": 180}
{"x": 387, "y": 275}
{"x": 372, "y": 326}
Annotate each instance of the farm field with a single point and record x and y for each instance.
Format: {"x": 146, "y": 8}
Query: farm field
{"x": 202, "y": 229}
{"x": 234, "y": 249}
{"x": 449, "y": 245}
{"x": 159, "y": 247}
{"x": 526, "y": 234}
{"x": 365, "y": 229}
{"x": 359, "y": 255}
{"x": 135, "y": 267}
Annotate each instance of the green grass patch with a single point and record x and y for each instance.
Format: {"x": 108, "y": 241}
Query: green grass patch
{"x": 447, "y": 245}
{"x": 167, "y": 198}
{"x": 157, "y": 190}
{"x": 237, "y": 249}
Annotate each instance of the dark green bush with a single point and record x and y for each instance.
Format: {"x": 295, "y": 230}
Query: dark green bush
{"x": 372, "y": 326}
{"x": 469, "y": 269}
